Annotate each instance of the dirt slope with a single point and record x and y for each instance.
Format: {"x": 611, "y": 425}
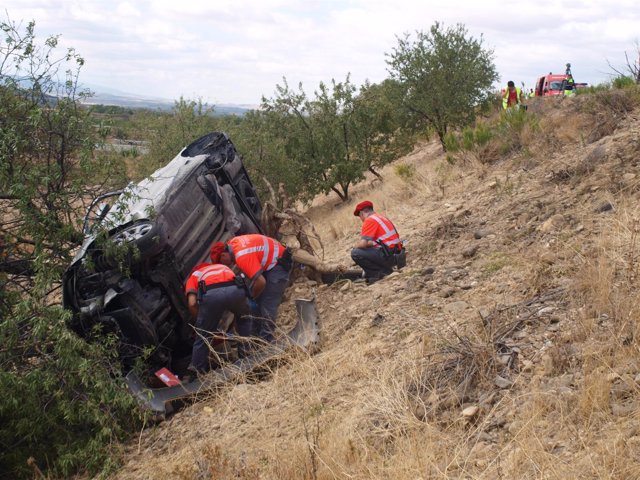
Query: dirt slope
{"x": 507, "y": 348}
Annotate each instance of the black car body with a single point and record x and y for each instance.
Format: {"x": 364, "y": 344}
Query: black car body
{"x": 171, "y": 219}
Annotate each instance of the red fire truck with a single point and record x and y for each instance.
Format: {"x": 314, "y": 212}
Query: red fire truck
{"x": 556, "y": 84}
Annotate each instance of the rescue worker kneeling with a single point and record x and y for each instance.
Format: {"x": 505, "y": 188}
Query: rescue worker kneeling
{"x": 265, "y": 264}
{"x": 379, "y": 248}
{"x": 212, "y": 290}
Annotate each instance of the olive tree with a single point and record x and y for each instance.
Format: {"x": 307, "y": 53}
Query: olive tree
{"x": 380, "y": 125}
{"x": 333, "y": 138}
{"x": 258, "y": 138}
{"x": 446, "y": 75}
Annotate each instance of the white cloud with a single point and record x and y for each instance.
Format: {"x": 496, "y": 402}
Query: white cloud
{"x": 237, "y": 51}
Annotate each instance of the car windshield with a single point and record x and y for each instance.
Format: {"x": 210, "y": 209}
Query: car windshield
{"x": 555, "y": 85}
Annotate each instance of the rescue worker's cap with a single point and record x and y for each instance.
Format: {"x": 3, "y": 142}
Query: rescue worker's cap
{"x": 216, "y": 250}
{"x": 361, "y": 206}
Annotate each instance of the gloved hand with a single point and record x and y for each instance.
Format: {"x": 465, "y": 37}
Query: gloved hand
{"x": 253, "y": 306}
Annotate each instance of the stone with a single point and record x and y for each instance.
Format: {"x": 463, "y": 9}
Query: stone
{"x": 456, "y": 307}
{"x": 527, "y": 366}
{"x": 502, "y": 382}
{"x": 471, "y": 411}
{"x": 604, "y": 207}
{"x": 478, "y": 234}
{"x": 470, "y": 252}
{"x": 446, "y": 292}
{"x": 552, "y": 224}
{"x": 547, "y": 364}
{"x": 548, "y": 258}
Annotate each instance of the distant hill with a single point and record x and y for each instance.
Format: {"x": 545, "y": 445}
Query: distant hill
{"x": 120, "y": 99}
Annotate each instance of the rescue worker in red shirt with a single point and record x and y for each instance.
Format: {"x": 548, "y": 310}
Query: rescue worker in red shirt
{"x": 379, "y": 248}
{"x": 211, "y": 290}
{"x": 266, "y": 265}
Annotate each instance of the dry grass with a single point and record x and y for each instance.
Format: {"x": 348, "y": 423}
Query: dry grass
{"x": 552, "y": 310}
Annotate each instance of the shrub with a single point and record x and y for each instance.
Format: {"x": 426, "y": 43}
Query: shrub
{"x": 405, "y": 171}
{"x": 623, "y": 81}
{"x": 451, "y": 143}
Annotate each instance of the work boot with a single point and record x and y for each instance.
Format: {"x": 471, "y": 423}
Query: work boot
{"x": 190, "y": 375}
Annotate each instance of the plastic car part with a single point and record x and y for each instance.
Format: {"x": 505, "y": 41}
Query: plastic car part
{"x": 305, "y": 334}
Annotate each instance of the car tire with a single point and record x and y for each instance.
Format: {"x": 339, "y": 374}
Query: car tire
{"x": 145, "y": 235}
{"x": 138, "y": 327}
{"x": 249, "y": 196}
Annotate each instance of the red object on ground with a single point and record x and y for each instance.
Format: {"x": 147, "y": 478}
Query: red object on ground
{"x": 168, "y": 378}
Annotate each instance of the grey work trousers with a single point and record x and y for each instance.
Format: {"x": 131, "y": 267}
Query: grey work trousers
{"x": 373, "y": 262}
{"x": 268, "y": 302}
{"x": 212, "y": 306}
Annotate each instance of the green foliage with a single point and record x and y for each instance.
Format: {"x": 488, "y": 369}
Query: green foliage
{"x": 257, "y": 138}
{"x": 468, "y": 138}
{"x": 482, "y": 134}
{"x": 451, "y": 142}
{"x": 330, "y": 140}
{"x": 62, "y": 402}
{"x": 446, "y": 75}
{"x": 600, "y": 87}
{"x": 170, "y": 133}
{"x": 623, "y": 81}
{"x": 405, "y": 171}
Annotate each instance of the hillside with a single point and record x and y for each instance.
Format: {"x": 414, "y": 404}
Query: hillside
{"x": 507, "y": 348}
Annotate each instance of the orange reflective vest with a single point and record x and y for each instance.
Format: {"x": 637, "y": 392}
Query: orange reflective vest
{"x": 255, "y": 253}
{"x": 209, "y": 274}
{"x": 377, "y": 227}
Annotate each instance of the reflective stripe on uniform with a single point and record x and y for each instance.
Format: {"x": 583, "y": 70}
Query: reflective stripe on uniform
{"x": 389, "y": 232}
{"x": 246, "y": 251}
{"x": 264, "y": 250}
{"x": 274, "y": 257}
{"x": 212, "y": 272}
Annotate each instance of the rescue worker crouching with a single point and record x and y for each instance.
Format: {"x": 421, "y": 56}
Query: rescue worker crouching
{"x": 379, "y": 248}
{"x": 212, "y": 290}
{"x": 265, "y": 265}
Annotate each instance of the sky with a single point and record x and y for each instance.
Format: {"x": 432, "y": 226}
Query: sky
{"x": 235, "y": 52}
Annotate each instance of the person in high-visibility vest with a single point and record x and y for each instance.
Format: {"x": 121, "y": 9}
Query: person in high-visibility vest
{"x": 265, "y": 264}
{"x": 379, "y": 248}
{"x": 211, "y": 291}
{"x": 569, "y": 86}
{"x": 512, "y": 96}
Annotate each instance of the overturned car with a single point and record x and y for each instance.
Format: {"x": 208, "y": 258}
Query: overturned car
{"x": 141, "y": 243}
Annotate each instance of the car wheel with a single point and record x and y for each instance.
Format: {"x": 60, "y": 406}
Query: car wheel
{"x": 133, "y": 232}
{"x": 137, "y": 327}
{"x": 145, "y": 235}
{"x": 249, "y": 196}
